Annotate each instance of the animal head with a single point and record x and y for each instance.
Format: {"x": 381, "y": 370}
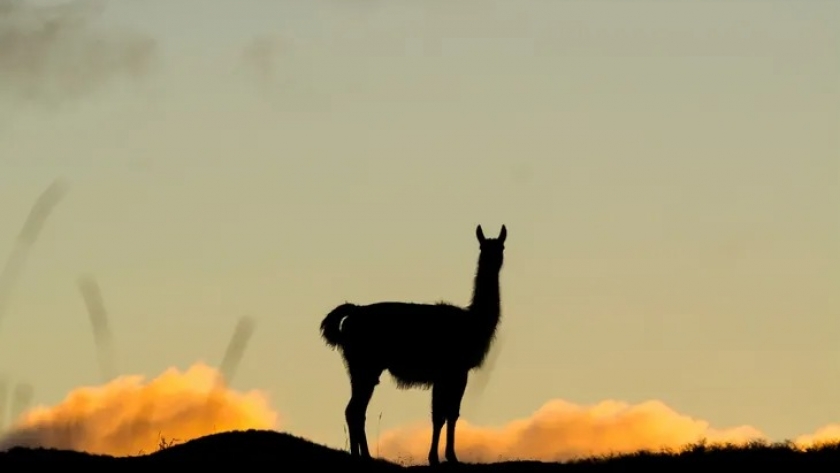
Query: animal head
{"x": 492, "y": 249}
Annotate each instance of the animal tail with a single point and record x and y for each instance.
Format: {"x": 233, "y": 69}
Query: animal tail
{"x": 331, "y": 325}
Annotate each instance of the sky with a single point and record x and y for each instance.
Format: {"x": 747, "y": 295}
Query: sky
{"x": 668, "y": 172}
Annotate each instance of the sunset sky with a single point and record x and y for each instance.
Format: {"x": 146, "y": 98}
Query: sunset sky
{"x": 668, "y": 172}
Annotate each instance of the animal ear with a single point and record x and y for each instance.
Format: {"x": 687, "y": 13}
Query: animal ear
{"x": 479, "y": 233}
{"x": 503, "y": 234}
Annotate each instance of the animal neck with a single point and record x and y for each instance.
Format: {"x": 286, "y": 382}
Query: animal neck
{"x": 486, "y": 299}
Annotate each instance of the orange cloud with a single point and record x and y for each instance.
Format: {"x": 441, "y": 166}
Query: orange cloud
{"x": 828, "y": 434}
{"x": 561, "y": 431}
{"x": 127, "y": 415}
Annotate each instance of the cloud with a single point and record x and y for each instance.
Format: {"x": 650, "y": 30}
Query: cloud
{"x": 54, "y": 52}
{"x": 561, "y": 430}
{"x": 827, "y": 434}
{"x": 127, "y": 415}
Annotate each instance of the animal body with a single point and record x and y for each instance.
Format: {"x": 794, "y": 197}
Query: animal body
{"x": 421, "y": 346}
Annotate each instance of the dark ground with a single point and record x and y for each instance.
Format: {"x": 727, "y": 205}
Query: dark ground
{"x": 267, "y": 449}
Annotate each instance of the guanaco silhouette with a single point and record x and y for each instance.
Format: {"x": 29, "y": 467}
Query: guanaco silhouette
{"x": 421, "y": 345}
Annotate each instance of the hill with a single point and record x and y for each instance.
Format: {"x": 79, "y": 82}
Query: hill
{"x": 273, "y": 449}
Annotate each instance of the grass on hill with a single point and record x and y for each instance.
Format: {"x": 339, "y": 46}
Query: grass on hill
{"x": 271, "y": 449}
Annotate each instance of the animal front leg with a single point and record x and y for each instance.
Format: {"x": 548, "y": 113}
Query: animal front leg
{"x": 438, "y": 419}
{"x": 455, "y": 394}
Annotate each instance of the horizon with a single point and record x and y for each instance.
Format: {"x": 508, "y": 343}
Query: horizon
{"x": 669, "y": 175}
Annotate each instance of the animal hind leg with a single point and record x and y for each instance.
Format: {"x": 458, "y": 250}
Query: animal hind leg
{"x": 455, "y": 394}
{"x": 362, "y": 384}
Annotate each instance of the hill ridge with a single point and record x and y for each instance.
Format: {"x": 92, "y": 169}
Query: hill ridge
{"x": 294, "y": 453}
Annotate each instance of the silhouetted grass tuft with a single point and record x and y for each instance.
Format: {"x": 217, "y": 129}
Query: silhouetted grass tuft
{"x": 291, "y": 453}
